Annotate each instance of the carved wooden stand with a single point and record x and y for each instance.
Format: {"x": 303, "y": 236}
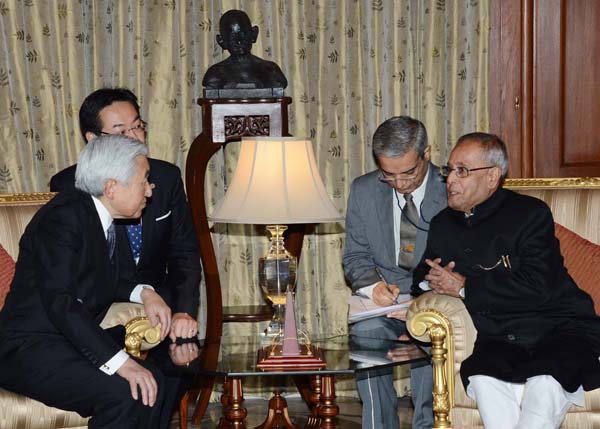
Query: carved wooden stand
{"x": 225, "y": 121}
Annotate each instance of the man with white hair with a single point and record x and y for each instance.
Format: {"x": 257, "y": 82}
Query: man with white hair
{"x": 160, "y": 248}
{"x": 52, "y": 348}
{"x": 538, "y": 337}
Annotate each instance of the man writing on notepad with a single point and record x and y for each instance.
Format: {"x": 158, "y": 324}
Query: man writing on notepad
{"x": 387, "y": 221}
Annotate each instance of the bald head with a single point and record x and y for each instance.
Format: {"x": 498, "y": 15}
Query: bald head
{"x": 237, "y": 34}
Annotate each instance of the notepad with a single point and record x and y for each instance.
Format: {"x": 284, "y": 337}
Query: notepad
{"x": 370, "y": 358}
{"x": 361, "y": 308}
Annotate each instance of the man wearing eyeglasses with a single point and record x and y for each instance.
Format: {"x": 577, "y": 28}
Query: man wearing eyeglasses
{"x": 538, "y": 338}
{"x": 161, "y": 249}
{"x": 387, "y": 222}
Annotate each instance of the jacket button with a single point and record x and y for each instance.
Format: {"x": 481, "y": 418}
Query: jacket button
{"x": 511, "y": 337}
{"x": 468, "y": 250}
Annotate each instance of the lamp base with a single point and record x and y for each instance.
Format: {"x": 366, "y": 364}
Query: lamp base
{"x": 271, "y": 358}
{"x": 276, "y": 276}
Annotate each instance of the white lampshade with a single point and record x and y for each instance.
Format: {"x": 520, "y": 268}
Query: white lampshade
{"x": 276, "y": 181}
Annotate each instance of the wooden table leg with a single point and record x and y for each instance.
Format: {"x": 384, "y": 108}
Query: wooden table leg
{"x": 314, "y": 398}
{"x": 232, "y": 400}
{"x": 327, "y": 409}
{"x": 278, "y": 415}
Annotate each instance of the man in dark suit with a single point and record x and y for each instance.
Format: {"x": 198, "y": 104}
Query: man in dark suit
{"x": 160, "y": 249}
{"x": 387, "y": 221}
{"x": 52, "y": 348}
{"x": 538, "y": 338}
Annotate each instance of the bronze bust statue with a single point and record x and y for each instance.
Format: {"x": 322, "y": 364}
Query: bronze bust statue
{"x": 242, "y": 69}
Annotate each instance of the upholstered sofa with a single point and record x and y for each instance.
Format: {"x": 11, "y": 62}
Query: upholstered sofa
{"x": 19, "y": 412}
{"x": 444, "y": 321}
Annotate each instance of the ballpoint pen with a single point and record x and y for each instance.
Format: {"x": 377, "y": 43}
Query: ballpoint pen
{"x": 387, "y": 285}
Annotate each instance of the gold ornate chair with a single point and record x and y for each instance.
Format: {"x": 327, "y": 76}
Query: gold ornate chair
{"x": 445, "y": 322}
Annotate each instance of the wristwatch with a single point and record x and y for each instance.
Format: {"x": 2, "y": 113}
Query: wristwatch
{"x": 461, "y": 293}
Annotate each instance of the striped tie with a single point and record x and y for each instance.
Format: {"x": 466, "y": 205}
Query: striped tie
{"x": 111, "y": 241}
{"x": 408, "y": 232}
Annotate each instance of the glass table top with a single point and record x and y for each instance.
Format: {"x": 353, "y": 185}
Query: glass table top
{"x": 343, "y": 354}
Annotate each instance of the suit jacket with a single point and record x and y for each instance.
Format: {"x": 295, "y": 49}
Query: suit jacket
{"x": 64, "y": 282}
{"x": 521, "y": 302}
{"x": 370, "y": 230}
{"x": 169, "y": 257}
{"x": 531, "y": 317}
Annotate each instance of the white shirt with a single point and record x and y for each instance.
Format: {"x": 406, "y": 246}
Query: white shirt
{"x": 118, "y": 359}
{"x": 397, "y": 207}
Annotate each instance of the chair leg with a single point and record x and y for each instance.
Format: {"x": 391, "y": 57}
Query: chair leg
{"x": 183, "y": 411}
{"x": 203, "y": 400}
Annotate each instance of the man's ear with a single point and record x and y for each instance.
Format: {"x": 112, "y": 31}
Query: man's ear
{"x": 254, "y": 33}
{"x": 109, "y": 188}
{"x": 89, "y": 136}
{"x": 221, "y": 42}
{"x": 427, "y": 153}
{"x": 495, "y": 175}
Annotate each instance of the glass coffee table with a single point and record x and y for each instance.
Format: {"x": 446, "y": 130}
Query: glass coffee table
{"x": 235, "y": 359}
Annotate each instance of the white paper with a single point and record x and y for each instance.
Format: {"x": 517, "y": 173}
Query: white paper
{"x": 364, "y": 308}
{"x": 370, "y": 358}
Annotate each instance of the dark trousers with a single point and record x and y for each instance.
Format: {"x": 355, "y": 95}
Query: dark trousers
{"x": 50, "y": 370}
{"x": 376, "y": 387}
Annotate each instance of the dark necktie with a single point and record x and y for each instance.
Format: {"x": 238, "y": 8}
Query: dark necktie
{"x": 134, "y": 233}
{"x": 111, "y": 241}
{"x": 408, "y": 232}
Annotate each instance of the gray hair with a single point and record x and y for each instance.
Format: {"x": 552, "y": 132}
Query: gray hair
{"x": 399, "y": 135}
{"x": 107, "y": 157}
{"x": 494, "y": 149}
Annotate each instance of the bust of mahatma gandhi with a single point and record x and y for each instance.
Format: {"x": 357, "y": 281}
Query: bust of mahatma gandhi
{"x": 241, "y": 69}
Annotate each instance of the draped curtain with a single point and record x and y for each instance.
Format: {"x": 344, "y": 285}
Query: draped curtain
{"x": 350, "y": 65}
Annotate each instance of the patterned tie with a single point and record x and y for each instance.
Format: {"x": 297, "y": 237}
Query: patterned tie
{"x": 408, "y": 232}
{"x": 111, "y": 241}
{"x": 134, "y": 233}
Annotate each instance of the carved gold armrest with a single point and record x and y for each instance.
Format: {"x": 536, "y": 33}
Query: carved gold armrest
{"x": 138, "y": 330}
{"x": 431, "y": 325}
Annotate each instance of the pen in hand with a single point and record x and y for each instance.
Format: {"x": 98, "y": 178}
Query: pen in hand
{"x": 387, "y": 285}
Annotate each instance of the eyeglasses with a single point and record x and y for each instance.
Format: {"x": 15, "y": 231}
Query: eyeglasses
{"x": 461, "y": 172}
{"x": 391, "y": 179}
{"x": 139, "y": 128}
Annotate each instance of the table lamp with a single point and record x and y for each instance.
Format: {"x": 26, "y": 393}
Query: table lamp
{"x": 276, "y": 182}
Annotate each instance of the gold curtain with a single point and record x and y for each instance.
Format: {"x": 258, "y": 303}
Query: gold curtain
{"x": 350, "y": 65}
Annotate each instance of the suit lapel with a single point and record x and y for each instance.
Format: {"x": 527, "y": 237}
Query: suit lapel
{"x": 149, "y": 215}
{"x": 125, "y": 262}
{"x": 147, "y": 224}
{"x": 99, "y": 248}
{"x": 385, "y": 214}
